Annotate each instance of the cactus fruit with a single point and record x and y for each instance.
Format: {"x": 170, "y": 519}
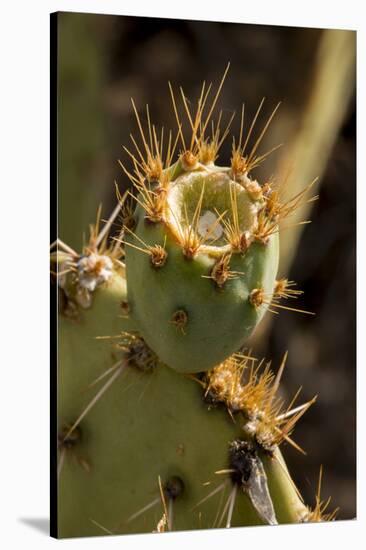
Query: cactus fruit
{"x": 202, "y": 256}
{"x": 164, "y": 421}
{"x": 191, "y": 267}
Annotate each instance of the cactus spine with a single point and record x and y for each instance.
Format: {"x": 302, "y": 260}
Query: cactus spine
{"x": 165, "y": 421}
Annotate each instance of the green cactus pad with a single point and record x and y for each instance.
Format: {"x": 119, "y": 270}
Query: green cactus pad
{"x": 150, "y": 424}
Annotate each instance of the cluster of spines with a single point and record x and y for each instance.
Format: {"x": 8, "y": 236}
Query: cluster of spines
{"x": 78, "y": 275}
{"x": 319, "y": 511}
{"x": 68, "y": 442}
{"x": 283, "y": 289}
{"x": 241, "y": 383}
{"x": 250, "y": 387}
{"x": 153, "y": 170}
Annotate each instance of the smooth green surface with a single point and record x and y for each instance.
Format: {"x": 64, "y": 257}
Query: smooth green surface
{"x": 219, "y": 320}
{"x": 82, "y": 351}
{"x": 146, "y": 425}
{"x": 289, "y": 507}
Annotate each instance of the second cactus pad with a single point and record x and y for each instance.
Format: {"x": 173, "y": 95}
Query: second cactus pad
{"x": 201, "y": 267}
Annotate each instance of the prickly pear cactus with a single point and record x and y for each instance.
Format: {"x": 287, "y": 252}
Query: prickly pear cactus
{"x": 165, "y": 421}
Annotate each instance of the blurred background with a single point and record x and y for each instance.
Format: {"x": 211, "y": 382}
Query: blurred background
{"x": 103, "y": 61}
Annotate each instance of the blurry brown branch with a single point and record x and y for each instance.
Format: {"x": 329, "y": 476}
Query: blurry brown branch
{"x": 308, "y": 151}
{"x": 310, "y": 144}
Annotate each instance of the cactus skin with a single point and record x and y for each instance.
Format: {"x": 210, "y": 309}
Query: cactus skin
{"x": 220, "y": 317}
{"x": 148, "y": 424}
{"x": 79, "y": 338}
{"x": 144, "y": 427}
